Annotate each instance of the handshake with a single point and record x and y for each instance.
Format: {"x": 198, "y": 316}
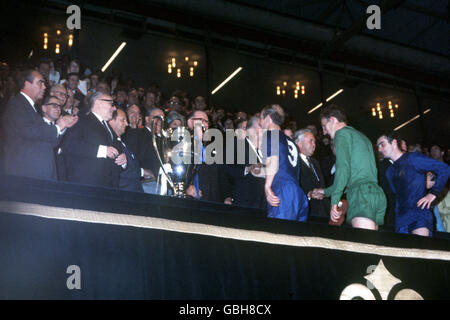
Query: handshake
{"x": 317, "y": 194}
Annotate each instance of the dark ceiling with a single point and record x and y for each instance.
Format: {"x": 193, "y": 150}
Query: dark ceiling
{"x": 408, "y": 57}
{"x": 422, "y": 24}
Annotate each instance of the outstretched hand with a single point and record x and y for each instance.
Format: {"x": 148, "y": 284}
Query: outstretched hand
{"x": 317, "y": 194}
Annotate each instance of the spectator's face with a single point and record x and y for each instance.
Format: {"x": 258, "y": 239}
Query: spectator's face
{"x": 72, "y": 82}
{"x": 265, "y": 122}
{"x": 134, "y": 116}
{"x": 307, "y": 144}
{"x": 228, "y": 124}
{"x": 329, "y": 126}
{"x": 404, "y": 146}
{"x": 199, "y": 120}
{"x": 384, "y": 147}
{"x": 200, "y": 103}
{"x": 141, "y": 92}
{"x": 105, "y": 107}
{"x": 154, "y": 121}
{"x": 150, "y": 99}
{"x": 36, "y": 89}
{"x": 52, "y": 109}
{"x": 44, "y": 69}
{"x": 94, "y": 80}
{"x": 255, "y": 131}
{"x": 436, "y": 152}
{"x": 133, "y": 97}
{"x": 103, "y": 87}
{"x": 74, "y": 67}
{"x": 61, "y": 93}
{"x": 122, "y": 97}
{"x": 119, "y": 124}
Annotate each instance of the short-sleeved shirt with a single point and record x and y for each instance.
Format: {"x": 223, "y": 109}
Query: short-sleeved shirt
{"x": 293, "y": 201}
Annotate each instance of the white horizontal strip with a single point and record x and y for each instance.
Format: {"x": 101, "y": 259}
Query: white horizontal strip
{"x": 216, "y": 231}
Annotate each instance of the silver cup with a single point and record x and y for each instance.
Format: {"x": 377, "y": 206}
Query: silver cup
{"x": 177, "y": 152}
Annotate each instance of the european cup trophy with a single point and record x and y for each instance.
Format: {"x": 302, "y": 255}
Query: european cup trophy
{"x": 176, "y": 159}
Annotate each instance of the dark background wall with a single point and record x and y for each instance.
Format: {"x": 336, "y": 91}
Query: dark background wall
{"x": 147, "y": 54}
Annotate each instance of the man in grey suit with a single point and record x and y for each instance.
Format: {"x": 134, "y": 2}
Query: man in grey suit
{"x": 29, "y": 142}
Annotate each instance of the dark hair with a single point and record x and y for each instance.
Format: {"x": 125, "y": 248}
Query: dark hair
{"x": 73, "y": 74}
{"x": 26, "y": 75}
{"x": 47, "y": 99}
{"x": 275, "y": 112}
{"x": 44, "y": 61}
{"x": 149, "y": 111}
{"x": 333, "y": 110}
{"x": 120, "y": 88}
{"x": 393, "y": 135}
{"x": 251, "y": 122}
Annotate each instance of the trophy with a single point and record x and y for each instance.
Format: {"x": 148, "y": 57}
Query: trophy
{"x": 176, "y": 161}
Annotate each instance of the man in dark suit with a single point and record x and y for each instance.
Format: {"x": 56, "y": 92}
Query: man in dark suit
{"x": 247, "y": 187}
{"x": 311, "y": 176}
{"x": 140, "y": 142}
{"x": 29, "y": 142}
{"x": 130, "y": 179}
{"x": 210, "y": 181}
{"x": 91, "y": 154}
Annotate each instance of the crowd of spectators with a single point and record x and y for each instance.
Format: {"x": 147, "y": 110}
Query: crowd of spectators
{"x": 74, "y": 91}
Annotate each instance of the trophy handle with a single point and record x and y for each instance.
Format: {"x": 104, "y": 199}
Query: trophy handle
{"x": 160, "y": 160}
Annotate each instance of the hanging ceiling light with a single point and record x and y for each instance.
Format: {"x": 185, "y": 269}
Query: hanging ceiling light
{"x": 379, "y": 108}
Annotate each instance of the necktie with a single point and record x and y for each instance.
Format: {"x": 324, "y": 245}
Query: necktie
{"x": 312, "y": 167}
{"x": 107, "y": 129}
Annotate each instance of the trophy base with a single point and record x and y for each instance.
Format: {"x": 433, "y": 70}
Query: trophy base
{"x": 179, "y": 191}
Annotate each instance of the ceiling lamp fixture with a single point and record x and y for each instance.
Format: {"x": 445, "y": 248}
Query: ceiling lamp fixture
{"x": 378, "y": 110}
{"x": 186, "y": 66}
{"x": 283, "y": 88}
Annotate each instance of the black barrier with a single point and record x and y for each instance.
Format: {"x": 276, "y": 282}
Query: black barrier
{"x": 64, "y": 241}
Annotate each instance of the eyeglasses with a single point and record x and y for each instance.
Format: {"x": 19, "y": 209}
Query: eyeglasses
{"x": 201, "y": 119}
{"x": 113, "y": 104}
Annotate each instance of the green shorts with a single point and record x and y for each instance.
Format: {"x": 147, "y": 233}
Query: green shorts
{"x": 367, "y": 201}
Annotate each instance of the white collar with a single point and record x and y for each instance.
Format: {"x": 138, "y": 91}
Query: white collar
{"x": 304, "y": 158}
{"x": 254, "y": 149}
{"x": 98, "y": 117}
{"x": 28, "y": 99}
{"x": 48, "y": 121}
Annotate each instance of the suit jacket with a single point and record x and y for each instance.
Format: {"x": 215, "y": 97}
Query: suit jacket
{"x": 29, "y": 142}
{"x": 247, "y": 190}
{"x": 140, "y": 143}
{"x": 308, "y": 181}
{"x": 79, "y": 149}
{"x": 130, "y": 178}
